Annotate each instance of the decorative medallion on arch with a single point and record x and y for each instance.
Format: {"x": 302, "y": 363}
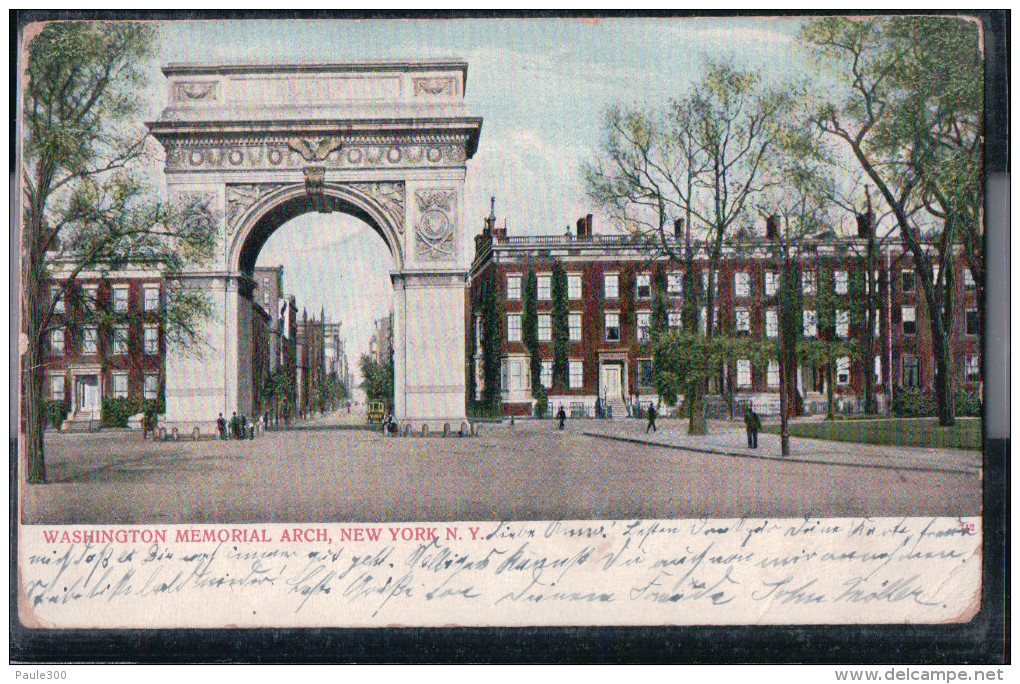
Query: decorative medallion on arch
{"x": 435, "y": 233}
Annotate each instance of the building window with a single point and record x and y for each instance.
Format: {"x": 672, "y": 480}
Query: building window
{"x": 842, "y": 323}
{"x": 909, "y": 320}
{"x": 151, "y": 340}
{"x": 513, "y": 327}
{"x": 546, "y": 377}
{"x": 907, "y": 281}
{"x": 771, "y": 324}
{"x": 704, "y": 282}
{"x": 676, "y": 319}
{"x": 674, "y": 283}
{"x": 645, "y": 376}
{"x": 90, "y": 293}
{"x": 878, "y": 369}
{"x": 120, "y": 299}
{"x": 576, "y": 374}
{"x": 575, "y": 327}
{"x": 843, "y": 370}
{"x": 968, "y": 279}
{"x": 644, "y": 286}
{"x": 973, "y": 368}
{"x": 973, "y": 324}
{"x": 516, "y": 375}
{"x": 703, "y": 321}
{"x": 808, "y": 285}
{"x": 120, "y": 340}
{"x": 265, "y": 298}
{"x": 57, "y": 297}
{"x": 911, "y": 372}
{"x": 57, "y": 342}
{"x": 56, "y": 388}
{"x": 743, "y": 373}
{"x": 771, "y": 283}
{"x": 151, "y": 297}
{"x": 743, "y": 320}
{"x": 513, "y": 287}
{"x": 574, "y": 285}
{"x": 544, "y": 287}
{"x": 611, "y": 284}
{"x": 90, "y": 341}
{"x": 612, "y": 327}
{"x": 644, "y": 325}
{"x": 120, "y": 385}
{"x": 742, "y": 284}
{"x": 810, "y": 323}
{"x": 544, "y": 327}
{"x": 878, "y": 324}
{"x": 842, "y": 282}
{"x": 773, "y": 374}
{"x": 151, "y": 388}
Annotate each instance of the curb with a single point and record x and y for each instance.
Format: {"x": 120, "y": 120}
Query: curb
{"x": 734, "y": 454}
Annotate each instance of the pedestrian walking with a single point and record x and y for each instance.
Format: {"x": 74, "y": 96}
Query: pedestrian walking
{"x": 221, "y": 427}
{"x": 598, "y": 407}
{"x": 651, "y": 418}
{"x": 244, "y": 426}
{"x": 752, "y": 423}
{"x": 561, "y": 415}
{"x": 235, "y": 425}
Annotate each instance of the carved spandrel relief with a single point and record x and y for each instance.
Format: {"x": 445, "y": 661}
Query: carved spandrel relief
{"x": 241, "y": 197}
{"x": 196, "y": 212}
{"x": 435, "y": 232}
{"x": 192, "y": 91}
{"x": 446, "y": 85}
{"x": 389, "y": 195}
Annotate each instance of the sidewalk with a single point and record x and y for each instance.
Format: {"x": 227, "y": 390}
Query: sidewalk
{"x": 725, "y": 440}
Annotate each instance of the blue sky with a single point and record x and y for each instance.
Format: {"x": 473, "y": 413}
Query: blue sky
{"x": 541, "y": 87}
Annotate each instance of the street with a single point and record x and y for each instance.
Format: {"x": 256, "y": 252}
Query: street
{"x": 528, "y": 471}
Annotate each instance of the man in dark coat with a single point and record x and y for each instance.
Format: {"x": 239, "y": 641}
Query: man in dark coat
{"x": 752, "y": 423}
{"x": 235, "y": 426}
{"x": 221, "y": 427}
{"x": 651, "y": 418}
{"x": 561, "y": 415}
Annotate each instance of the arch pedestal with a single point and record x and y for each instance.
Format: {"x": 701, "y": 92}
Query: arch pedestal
{"x": 385, "y": 142}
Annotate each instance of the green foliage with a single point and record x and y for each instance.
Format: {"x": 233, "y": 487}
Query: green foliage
{"x": 560, "y": 328}
{"x": 530, "y": 332}
{"x": 541, "y": 402}
{"x": 492, "y": 345}
{"x": 377, "y": 380}
{"x": 56, "y": 412}
{"x": 116, "y": 412}
{"x": 918, "y": 403}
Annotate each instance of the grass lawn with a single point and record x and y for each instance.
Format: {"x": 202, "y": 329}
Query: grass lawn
{"x": 909, "y": 432}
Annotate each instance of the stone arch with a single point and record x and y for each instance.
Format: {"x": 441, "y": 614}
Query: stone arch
{"x": 275, "y": 205}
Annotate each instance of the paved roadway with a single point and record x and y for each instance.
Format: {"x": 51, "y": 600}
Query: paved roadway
{"x": 530, "y": 471}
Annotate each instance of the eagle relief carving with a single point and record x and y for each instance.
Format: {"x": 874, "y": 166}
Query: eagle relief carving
{"x": 435, "y": 86}
{"x": 390, "y": 195}
{"x": 435, "y": 229}
{"x": 317, "y": 152}
{"x": 194, "y": 90}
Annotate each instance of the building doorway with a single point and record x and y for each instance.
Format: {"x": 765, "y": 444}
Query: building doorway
{"x": 86, "y": 396}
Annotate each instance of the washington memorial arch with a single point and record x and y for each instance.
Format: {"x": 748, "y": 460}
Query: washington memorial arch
{"x": 386, "y": 142}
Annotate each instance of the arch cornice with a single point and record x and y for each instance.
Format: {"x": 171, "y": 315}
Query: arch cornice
{"x": 381, "y": 204}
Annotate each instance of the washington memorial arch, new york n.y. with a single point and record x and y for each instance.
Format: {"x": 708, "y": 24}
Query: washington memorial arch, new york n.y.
{"x": 386, "y": 142}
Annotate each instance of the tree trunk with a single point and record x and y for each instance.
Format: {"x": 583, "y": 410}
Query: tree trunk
{"x": 943, "y": 382}
{"x": 830, "y": 394}
{"x": 32, "y": 361}
{"x": 868, "y": 338}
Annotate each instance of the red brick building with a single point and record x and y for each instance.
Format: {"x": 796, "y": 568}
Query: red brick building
{"x": 105, "y": 341}
{"x": 612, "y": 283}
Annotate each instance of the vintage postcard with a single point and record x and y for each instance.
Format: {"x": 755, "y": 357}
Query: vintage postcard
{"x": 500, "y": 322}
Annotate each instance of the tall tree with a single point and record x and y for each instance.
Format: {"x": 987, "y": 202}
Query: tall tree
{"x": 529, "y": 322}
{"x": 492, "y": 343}
{"x": 694, "y": 167}
{"x": 85, "y": 203}
{"x": 910, "y": 112}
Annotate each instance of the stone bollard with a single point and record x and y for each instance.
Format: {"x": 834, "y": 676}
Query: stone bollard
{"x": 174, "y": 434}
{"x": 425, "y": 430}
{"x": 446, "y": 429}
{"x": 196, "y": 434}
{"x": 161, "y": 434}
{"x": 407, "y": 430}
{"x": 465, "y": 429}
